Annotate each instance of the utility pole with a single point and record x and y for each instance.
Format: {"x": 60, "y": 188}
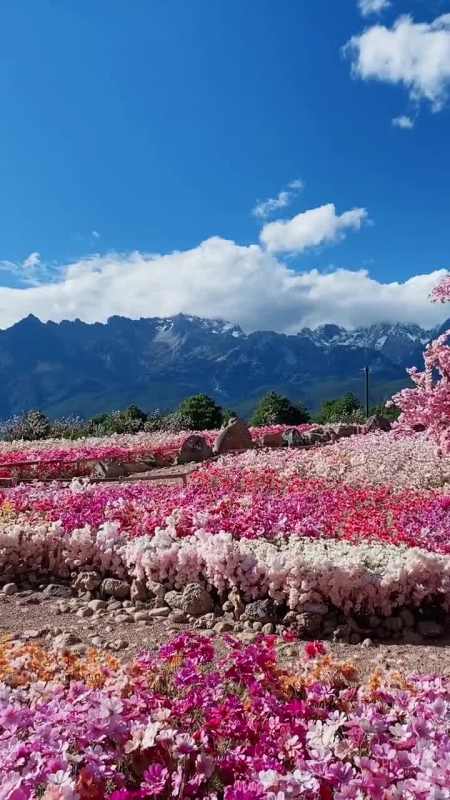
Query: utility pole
{"x": 366, "y": 371}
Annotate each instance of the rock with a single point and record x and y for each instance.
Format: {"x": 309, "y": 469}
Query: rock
{"x": 57, "y": 590}
{"x": 138, "y": 467}
{"x": 78, "y": 649}
{"x": 393, "y": 624}
{"x": 194, "y": 448}
{"x": 106, "y": 470}
{"x": 237, "y": 605}
{"x": 247, "y": 637}
{"x": 267, "y": 628}
{"x": 97, "y": 605}
{"x": 139, "y": 591}
{"x": 290, "y": 618}
{"x": 258, "y": 611}
{"x": 157, "y": 591}
{"x": 341, "y": 431}
{"x": 407, "y": 617}
{"x": 309, "y": 623}
{"x": 223, "y": 626}
{"x": 140, "y": 616}
{"x": 112, "y": 587}
{"x": 97, "y": 641}
{"x": 366, "y": 643}
{"x": 10, "y": 588}
{"x": 354, "y": 638}
{"x": 87, "y": 582}
{"x": 411, "y": 637}
{"x": 33, "y": 634}
{"x": 179, "y": 617}
{"x": 316, "y": 608}
{"x": 122, "y": 619}
{"x": 235, "y": 436}
{"x": 85, "y": 612}
{"x": 195, "y": 600}
{"x": 273, "y": 439}
{"x": 377, "y": 423}
{"x": 163, "y": 611}
{"x": 292, "y": 438}
{"x": 430, "y": 629}
{"x": 206, "y": 621}
{"x": 118, "y": 644}
{"x": 173, "y": 599}
{"x": 65, "y": 640}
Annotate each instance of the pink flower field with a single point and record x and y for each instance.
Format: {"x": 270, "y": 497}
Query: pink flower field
{"x": 363, "y": 524}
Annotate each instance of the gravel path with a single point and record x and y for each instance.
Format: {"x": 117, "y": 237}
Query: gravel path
{"x": 32, "y": 616}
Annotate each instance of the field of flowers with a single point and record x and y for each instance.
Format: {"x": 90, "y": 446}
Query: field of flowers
{"x": 362, "y": 525}
{"x": 188, "y": 723}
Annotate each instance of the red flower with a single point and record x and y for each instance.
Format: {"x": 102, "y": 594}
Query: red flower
{"x": 314, "y": 649}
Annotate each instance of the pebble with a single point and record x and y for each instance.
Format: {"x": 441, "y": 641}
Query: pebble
{"x": 33, "y": 634}
{"x": 121, "y": 618}
{"x": 118, "y": 644}
{"x": 97, "y": 605}
{"x": 10, "y": 588}
{"x": 96, "y": 641}
{"x": 140, "y": 616}
{"x": 163, "y": 611}
{"x": 223, "y": 626}
{"x": 85, "y": 612}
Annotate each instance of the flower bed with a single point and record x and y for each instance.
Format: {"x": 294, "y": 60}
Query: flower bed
{"x": 182, "y": 724}
{"x": 51, "y": 453}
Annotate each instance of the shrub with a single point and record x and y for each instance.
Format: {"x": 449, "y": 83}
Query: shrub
{"x": 201, "y": 412}
{"x": 343, "y": 409}
{"x": 31, "y": 426}
{"x": 274, "y": 409}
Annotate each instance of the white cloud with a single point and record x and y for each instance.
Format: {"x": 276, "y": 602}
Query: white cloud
{"x": 368, "y": 7}
{"x": 415, "y": 55}
{"x": 219, "y": 278}
{"x": 95, "y": 234}
{"x": 310, "y": 229}
{"x": 264, "y": 208}
{"x": 32, "y": 261}
{"x": 404, "y": 122}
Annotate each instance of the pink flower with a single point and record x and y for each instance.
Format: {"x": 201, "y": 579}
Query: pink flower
{"x": 155, "y": 779}
{"x": 314, "y": 649}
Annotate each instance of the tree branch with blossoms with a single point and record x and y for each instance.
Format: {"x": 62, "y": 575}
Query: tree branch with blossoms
{"x": 427, "y": 406}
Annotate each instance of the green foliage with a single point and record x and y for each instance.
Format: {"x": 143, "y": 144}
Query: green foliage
{"x": 343, "y": 409}
{"x": 201, "y": 413}
{"x": 274, "y": 409}
{"x": 391, "y": 413}
{"x": 130, "y": 420}
{"x": 227, "y": 414}
{"x": 31, "y": 426}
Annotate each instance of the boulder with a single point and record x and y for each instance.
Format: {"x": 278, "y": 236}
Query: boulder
{"x": 194, "y": 448}
{"x": 377, "y": 423}
{"x": 194, "y": 600}
{"x": 57, "y": 590}
{"x": 137, "y": 467}
{"x": 293, "y": 438}
{"x": 235, "y": 436}
{"x": 87, "y": 581}
{"x": 274, "y": 439}
{"x": 342, "y": 430}
{"x": 258, "y": 611}
{"x": 112, "y": 587}
{"x": 106, "y": 470}
{"x": 139, "y": 590}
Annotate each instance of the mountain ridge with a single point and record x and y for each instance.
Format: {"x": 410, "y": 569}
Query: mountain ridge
{"x": 86, "y": 368}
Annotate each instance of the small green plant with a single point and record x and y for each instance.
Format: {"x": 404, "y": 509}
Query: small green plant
{"x": 274, "y": 409}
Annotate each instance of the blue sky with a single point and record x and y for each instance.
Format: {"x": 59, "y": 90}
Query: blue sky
{"x": 154, "y": 125}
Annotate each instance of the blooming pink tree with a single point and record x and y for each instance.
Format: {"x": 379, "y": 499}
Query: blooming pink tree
{"x": 427, "y": 406}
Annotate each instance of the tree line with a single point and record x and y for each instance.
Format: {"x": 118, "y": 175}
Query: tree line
{"x": 198, "y": 412}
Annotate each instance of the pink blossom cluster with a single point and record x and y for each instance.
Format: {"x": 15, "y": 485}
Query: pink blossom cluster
{"x": 187, "y": 723}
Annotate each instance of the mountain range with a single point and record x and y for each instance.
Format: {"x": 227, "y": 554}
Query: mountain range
{"x": 84, "y": 369}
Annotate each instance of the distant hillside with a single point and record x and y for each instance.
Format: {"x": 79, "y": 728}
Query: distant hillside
{"x": 73, "y": 367}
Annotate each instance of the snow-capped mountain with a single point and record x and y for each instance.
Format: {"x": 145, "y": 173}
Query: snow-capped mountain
{"x": 74, "y": 367}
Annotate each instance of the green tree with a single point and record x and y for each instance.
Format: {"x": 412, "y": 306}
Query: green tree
{"x": 342, "y": 409}
{"x": 391, "y": 413}
{"x": 202, "y": 412}
{"x": 274, "y": 409}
